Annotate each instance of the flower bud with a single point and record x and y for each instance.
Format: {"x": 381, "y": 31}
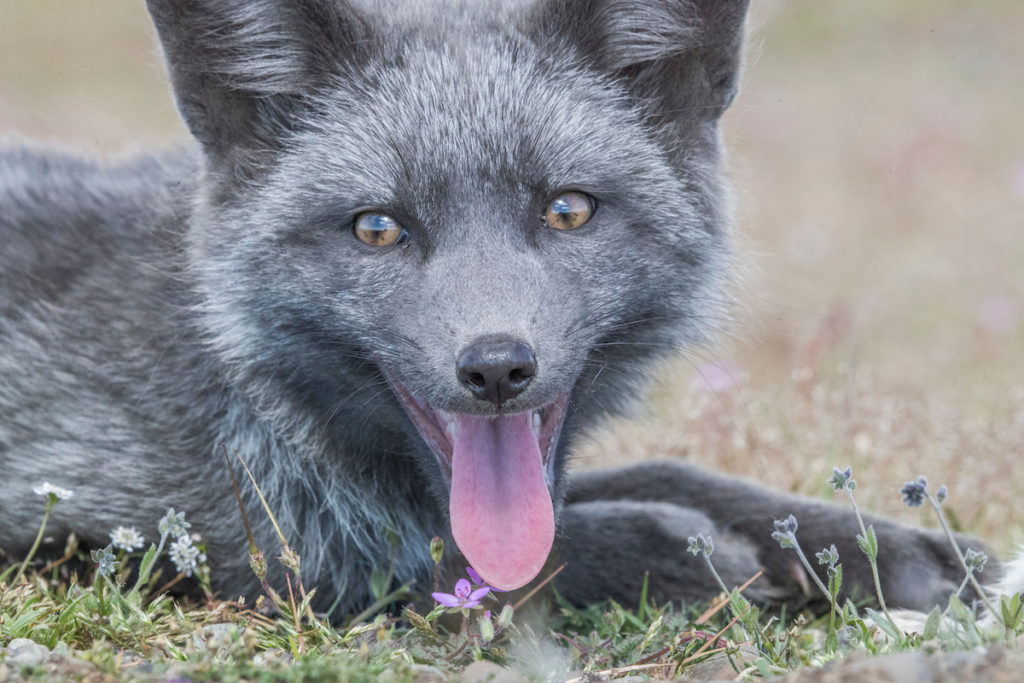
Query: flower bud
{"x": 436, "y": 549}
{"x": 258, "y": 563}
{"x": 486, "y": 629}
{"x": 505, "y": 616}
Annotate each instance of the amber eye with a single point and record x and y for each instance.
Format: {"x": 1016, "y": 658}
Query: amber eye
{"x": 569, "y": 211}
{"x": 379, "y": 230}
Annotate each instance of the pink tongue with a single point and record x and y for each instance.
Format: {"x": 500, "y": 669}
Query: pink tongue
{"x": 500, "y": 508}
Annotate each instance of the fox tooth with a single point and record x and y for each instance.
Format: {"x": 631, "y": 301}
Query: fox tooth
{"x": 535, "y": 423}
{"x": 452, "y": 428}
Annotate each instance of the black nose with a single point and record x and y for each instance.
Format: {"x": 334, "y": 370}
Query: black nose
{"x": 496, "y": 370}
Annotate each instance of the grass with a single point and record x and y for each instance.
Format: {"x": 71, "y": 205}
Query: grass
{"x": 116, "y": 619}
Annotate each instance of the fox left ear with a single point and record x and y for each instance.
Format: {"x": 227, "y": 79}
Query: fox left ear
{"x": 680, "y": 56}
{"x": 241, "y": 68}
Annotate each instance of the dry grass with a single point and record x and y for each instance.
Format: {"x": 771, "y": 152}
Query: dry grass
{"x": 880, "y": 162}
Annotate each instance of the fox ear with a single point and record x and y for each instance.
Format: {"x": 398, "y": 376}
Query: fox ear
{"x": 680, "y": 56}
{"x": 240, "y": 67}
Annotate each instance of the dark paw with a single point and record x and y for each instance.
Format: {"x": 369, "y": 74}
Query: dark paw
{"x": 609, "y": 547}
{"x": 920, "y": 570}
{"x": 917, "y": 568}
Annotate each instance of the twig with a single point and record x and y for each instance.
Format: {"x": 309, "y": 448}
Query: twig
{"x": 170, "y": 584}
{"x": 716, "y": 607}
{"x": 537, "y": 588}
{"x": 707, "y": 643}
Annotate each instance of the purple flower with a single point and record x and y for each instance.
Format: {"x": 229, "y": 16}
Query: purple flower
{"x": 785, "y": 532}
{"x": 915, "y": 492}
{"x": 464, "y": 595}
{"x": 478, "y": 581}
{"x": 842, "y": 480}
{"x": 474, "y": 577}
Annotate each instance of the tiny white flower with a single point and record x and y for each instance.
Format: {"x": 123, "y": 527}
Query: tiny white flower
{"x": 106, "y": 564}
{"x": 185, "y": 556}
{"x": 127, "y": 538}
{"x": 47, "y": 489}
{"x": 173, "y": 524}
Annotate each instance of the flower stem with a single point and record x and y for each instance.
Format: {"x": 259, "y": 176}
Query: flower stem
{"x": 51, "y": 500}
{"x": 963, "y": 563}
{"x": 144, "y": 575}
{"x": 832, "y": 583}
{"x": 963, "y": 584}
{"x": 728, "y": 597}
{"x": 813, "y": 574}
{"x": 714, "y": 573}
{"x": 873, "y": 561}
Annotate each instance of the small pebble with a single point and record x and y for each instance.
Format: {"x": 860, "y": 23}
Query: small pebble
{"x": 215, "y": 637}
{"x": 25, "y": 652}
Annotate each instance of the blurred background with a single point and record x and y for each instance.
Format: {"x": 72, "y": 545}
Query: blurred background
{"x": 878, "y": 154}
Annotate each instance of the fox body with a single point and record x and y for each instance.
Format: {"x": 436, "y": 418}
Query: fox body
{"x": 416, "y": 248}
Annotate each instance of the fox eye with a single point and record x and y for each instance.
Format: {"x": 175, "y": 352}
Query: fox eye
{"x": 569, "y": 210}
{"x": 379, "y": 230}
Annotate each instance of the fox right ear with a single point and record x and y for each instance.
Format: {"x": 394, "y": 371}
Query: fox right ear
{"x": 239, "y": 68}
{"x": 680, "y": 57}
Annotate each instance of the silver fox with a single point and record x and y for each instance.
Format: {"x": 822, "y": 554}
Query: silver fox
{"x": 416, "y": 248}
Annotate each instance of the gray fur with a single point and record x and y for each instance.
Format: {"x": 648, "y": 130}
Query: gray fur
{"x": 154, "y": 313}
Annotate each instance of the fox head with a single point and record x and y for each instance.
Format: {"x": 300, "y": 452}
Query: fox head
{"x": 455, "y": 231}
